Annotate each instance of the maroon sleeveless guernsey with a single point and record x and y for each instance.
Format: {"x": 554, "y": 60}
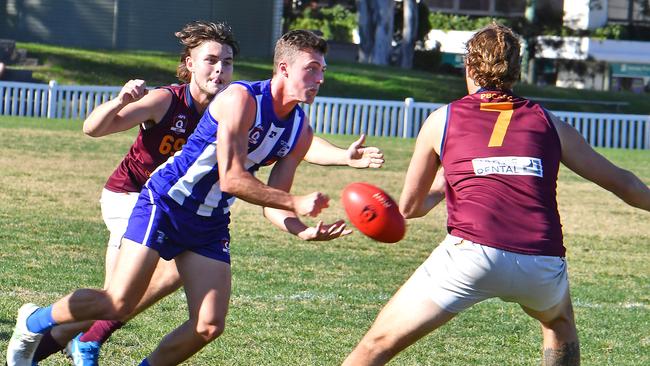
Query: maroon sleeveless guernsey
{"x": 155, "y": 144}
{"x": 501, "y": 155}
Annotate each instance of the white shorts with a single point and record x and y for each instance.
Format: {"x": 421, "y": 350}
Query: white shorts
{"x": 460, "y": 273}
{"x": 116, "y": 210}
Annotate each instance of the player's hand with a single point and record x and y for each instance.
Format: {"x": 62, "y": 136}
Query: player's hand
{"x": 324, "y": 232}
{"x": 132, "y": 91}
{"x": 311, "y": 204}
{"x": 360, "y": 156}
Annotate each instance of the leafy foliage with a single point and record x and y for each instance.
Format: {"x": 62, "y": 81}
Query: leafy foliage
{"x": 449, "y": 22}
{"x": 546, "y": 23}
{"x": 610, "y": 31}
{"x": 335, "y": 23}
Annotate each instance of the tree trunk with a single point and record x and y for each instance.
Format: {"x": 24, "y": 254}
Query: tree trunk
{"x": 409, "y": 33}
{"x": 375, "y": 30}
{"x": 528, "y": 62}
{"x": 366, "y": 27}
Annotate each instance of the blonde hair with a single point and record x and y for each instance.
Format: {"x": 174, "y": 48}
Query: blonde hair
{"x": 492, "y": 57}
{"x": 294, "y": 41}
{"x": 195, "y": 34}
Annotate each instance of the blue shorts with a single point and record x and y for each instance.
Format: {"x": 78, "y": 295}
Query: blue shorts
{"x": 164, "y": 225}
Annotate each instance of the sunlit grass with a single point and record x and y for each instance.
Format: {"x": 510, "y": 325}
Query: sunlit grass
{"x": 307, "y": 303}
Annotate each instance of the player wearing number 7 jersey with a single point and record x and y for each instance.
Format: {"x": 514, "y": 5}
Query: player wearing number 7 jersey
{"x": 500, "y": 155}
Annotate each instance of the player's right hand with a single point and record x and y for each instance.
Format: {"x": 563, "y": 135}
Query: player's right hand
{"x": 311, "y": 204}
{"x": 132, "y": 91}
{"x": 325, "y": 232}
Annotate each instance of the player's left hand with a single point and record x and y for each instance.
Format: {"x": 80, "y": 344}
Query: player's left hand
{"x": 325, "y": 232}
{"x": 360, "y": 156}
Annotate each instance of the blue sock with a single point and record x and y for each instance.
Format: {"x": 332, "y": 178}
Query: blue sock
{"x": 144, "y": 363}
{"x": 40, "y": 320}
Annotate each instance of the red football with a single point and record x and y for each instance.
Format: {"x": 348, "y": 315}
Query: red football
{"x": 373, "y": 212}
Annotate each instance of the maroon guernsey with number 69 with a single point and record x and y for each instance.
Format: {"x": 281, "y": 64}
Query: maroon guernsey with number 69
{"x": 501, "y": 156}
{"x": 156, "y": 143}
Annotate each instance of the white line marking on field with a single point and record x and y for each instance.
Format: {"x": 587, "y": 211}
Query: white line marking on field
{"x": 319, "y": 297}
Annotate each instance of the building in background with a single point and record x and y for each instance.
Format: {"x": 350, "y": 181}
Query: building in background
{"x": 142, "y": 24}
{"x": 577, "y": 62}
{"x": 479, "y": 7}
{"x": 451, "y": 43}
{"x": 597, "y": 63}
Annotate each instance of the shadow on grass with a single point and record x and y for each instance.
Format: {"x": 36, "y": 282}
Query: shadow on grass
{"x": 104, "y": 71}
{"x": 9, "y": 324}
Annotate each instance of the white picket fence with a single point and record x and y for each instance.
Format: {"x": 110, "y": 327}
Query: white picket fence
{"x": 372, "y": 117}
{"x": 327, "y": 115}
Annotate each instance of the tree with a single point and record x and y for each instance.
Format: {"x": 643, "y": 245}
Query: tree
{"x": 384, "y": 23}
{"x": 375, "y": 30}
{"x": 409, "y": 33}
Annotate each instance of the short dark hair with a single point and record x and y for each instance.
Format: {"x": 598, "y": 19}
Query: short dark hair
{"x": 297, "y": 40}
{"x": 492, "y": 58}
{"x": 195, "y": 34}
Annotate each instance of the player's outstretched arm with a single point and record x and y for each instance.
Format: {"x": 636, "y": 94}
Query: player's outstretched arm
{"x": 235, "y": 110}
{"x": 132, "y": 106}
{"x": 323, "y": 152}
{"x": 436, "y": 193}
{"x": 581, "y": 158}
{"x": 281, "y": 177}
{"x": 419, "y": 194}
{"x": 287, "y": 221}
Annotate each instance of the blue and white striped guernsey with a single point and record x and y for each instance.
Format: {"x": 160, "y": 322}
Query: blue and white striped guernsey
{"x": 191, "y": 177}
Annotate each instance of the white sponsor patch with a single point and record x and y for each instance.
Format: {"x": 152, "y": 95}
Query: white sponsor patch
{"x": 508, "y": 165}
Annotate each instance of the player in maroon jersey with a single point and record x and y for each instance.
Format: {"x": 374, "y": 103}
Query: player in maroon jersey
{"x": 166, "y": 116}
{"x": 500, "y": 155}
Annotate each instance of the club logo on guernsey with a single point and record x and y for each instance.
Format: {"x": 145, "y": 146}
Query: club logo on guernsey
{"x": 254, "y": 135}
{"x": 284, "y": 149}
{"x": 508, "y": 165}
{"x": 179, "y": 125}
{"x": 160, "y": 237}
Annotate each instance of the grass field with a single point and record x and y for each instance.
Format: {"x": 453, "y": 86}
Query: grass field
{"x": 306, "y": 303}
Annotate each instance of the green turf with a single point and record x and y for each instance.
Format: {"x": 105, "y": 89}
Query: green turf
{"x": 308, "y": 303}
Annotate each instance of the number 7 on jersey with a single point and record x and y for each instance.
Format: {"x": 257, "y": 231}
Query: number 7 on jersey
{"x": 505, "y": 110}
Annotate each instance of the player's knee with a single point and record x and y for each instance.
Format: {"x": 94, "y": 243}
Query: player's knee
{"x": 168, "y": 283}
{"x": 104, "y": 305}
{"x": 210, "y": 330}
{"x": 561, "y": 324}
{"x": 562, "y": 328}
{"x": 121, "y": 308}
{"x": 378, "y": 346}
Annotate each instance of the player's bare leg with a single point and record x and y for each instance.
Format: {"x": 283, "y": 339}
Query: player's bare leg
{"x": 207, "y": 300}
{"x": 408, "y": 316}
{"x": 561, "y": 346}
{"x": 135, "y": 266}
{"x": 164, "y": 281}
{"x": 60, "y": 335}
{"x": 63, "y": 333}
{"x": 110, "y": 260}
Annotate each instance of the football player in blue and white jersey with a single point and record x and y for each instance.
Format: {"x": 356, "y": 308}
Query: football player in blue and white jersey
{"x": 183, "y": 210}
